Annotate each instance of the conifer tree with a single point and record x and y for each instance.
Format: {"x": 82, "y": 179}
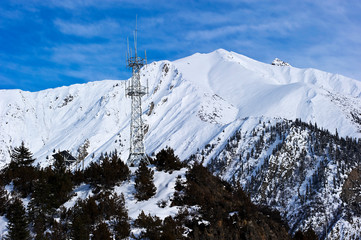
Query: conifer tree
{"x": 21, "y": 156}
{"x": 308, "y": 235}
{"x": 101, "y": 232}
{"x": 18, "y": 224}
{"x": 59, "y": 166}
{"x": 41, "y": 199}
{"x": 79, "y": 228}
{"x": 171, "y": 230}
{"x": 60, "y": 181}
{"x": 106, "y": 175}
{"x": 81, "y": 219}
{"x": 166, "y": 160}
{"x": 121, "y": 227}
{"x": 3, "y": 200}
{"x": 39, "y": 227}
{"x": 20, "y": 170}
{"x": 151, "y": 224}
{"x": 144, "y": 185}
{"x": 58, "y": 231}
{"x": 178, "y": 193}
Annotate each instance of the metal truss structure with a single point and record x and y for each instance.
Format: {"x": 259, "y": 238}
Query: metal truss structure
{"x": 136, "y": 91}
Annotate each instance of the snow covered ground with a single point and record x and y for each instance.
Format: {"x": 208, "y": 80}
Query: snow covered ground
{"x": 194, "y": 99}
{"x": 198, "y": 100}
{"x": 164, "y": 182}
{"x": 158, "y": 205}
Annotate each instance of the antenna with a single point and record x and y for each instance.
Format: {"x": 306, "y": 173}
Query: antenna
{"x": 135, "y": 36}
{"x": 145, "y": 57}
{"x": 128, "y": 49}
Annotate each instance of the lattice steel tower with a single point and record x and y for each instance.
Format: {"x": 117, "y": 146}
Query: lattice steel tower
{"x": 135, "y": 91}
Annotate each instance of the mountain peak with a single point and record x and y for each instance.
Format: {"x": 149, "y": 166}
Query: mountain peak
{"x": 222, "y": 51}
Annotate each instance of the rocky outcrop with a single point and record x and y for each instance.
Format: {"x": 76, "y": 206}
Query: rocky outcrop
{"x": 279, "y": 62}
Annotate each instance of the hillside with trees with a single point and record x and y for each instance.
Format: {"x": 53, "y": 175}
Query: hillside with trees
{"x": 306, "y": 173}
{"x": 36, "y": 205}
{"x": 281, "y": 180}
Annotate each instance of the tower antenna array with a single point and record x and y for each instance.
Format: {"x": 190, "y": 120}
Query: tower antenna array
{"x": 135, "y": 91}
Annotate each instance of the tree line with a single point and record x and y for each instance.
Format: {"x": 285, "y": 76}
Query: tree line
{"x": 209, "y": 208}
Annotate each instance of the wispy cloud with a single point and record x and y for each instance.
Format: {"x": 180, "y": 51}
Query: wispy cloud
{"x": 60, "y": 42}
{"x": 6, "y": 82}
{"x": 215, "y": 33}
{"x": 12, "y": 14}
{"x": 280, "y": 28}
{"x": 98, "y": 29}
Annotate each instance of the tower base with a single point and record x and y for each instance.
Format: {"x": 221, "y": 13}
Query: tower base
{"x": 134, "y": 159}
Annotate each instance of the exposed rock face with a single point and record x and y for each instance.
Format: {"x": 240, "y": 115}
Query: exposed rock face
{"x": 351, "y": 191}
{"x": 304, "y": 172}
{"x": 279, "y": 62}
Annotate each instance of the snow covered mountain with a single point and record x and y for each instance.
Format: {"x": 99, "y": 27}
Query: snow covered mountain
{"x": 309, "y": 175}
{"x": 191, "y": 101}
{"x": 195, "y": 105}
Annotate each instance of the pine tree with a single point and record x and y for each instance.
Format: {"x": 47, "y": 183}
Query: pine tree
{"x": 178, "y": 193}
{"x": 21, "y": 156}
{"x": 121, "y": 227}
{"x": 3, "y": 200}
{"x": 308, "y": 235}
{"x": 81, "y": 221}
{"x": 106, "y": 175}
{"x": 101, "y": 232}
{"x": 144, "y": 185}
{"x": 20, "y": 170}
{"x": 59, "y": 166}
{"x": 40, "y": 227}
{"x": 166, "y": 160}
{"x": 151, "y": 224}
{"x": 41, "y": 199}
{"x": 60, "y": 181}
{"x": 79, "y": 228}
{"x": 58, "y": 232}
{"x": 18, "y": 224}
{"x": 171, "y": 230}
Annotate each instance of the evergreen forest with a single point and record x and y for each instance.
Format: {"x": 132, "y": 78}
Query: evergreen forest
{"x": 32, "y": 200}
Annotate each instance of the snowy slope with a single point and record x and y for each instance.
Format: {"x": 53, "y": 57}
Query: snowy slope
{"x": 195, "y": 105}
{"x": 165, "y": 183}
{"x": 295, "y": 168}
{"x": 191, "y": 101}
{"x": 258, "y": 89}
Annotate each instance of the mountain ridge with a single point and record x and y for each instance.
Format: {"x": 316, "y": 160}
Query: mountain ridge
{"x": 207, "y": 107}
{"x": 215, "y": 88}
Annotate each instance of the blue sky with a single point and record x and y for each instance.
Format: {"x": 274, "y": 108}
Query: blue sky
{"x": 52, "y": 43}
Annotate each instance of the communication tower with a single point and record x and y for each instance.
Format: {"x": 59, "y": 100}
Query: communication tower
{"x": 135, "y": 91}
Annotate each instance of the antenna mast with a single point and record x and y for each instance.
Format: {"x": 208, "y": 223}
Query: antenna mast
{"x": 135, "y": 91}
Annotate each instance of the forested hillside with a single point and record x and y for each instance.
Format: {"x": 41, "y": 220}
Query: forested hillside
{"x": 305, "y": 172}
{"x": 44, "y": 203}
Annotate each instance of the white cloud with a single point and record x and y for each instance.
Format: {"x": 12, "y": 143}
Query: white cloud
{"x": 215, "y": 33}
{"x": 101, "y": 28}
{"x": 279, "y": 27}
{"x": 6, "y": 82}
{"x": 319, "y": 34}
